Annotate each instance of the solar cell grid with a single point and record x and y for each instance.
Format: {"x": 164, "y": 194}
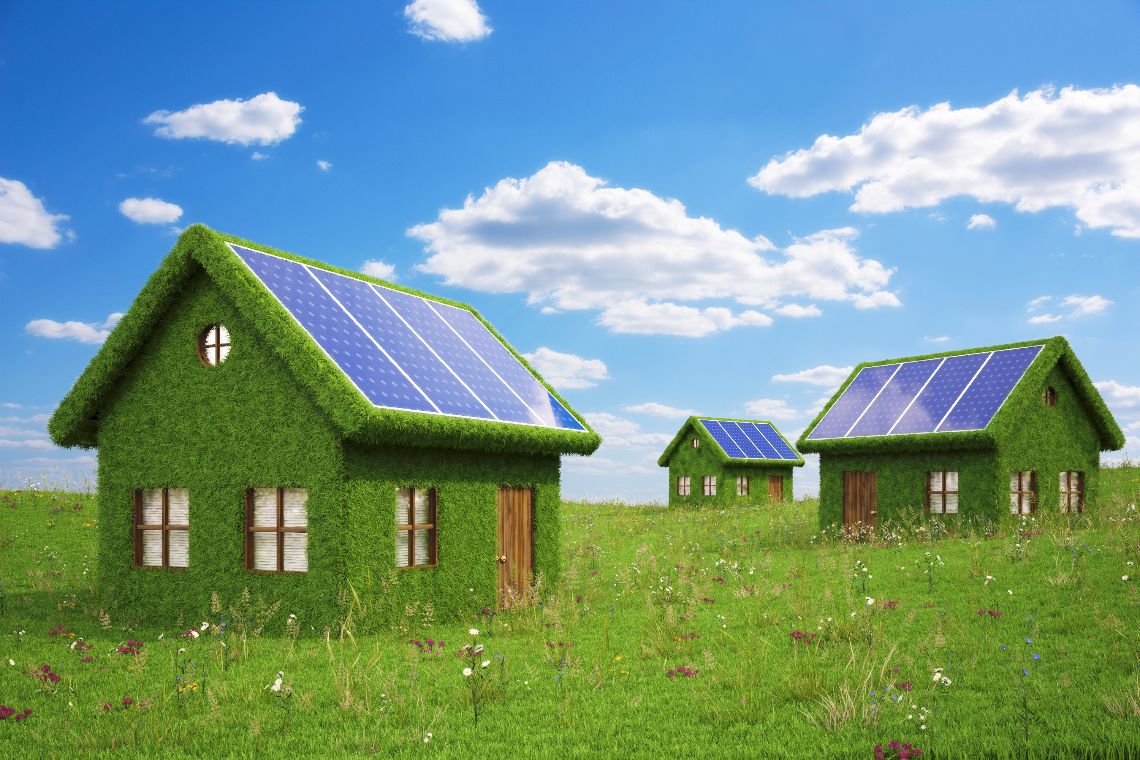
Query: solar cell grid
{"x": 746, "y": 446}
{"x": 931, "y": 405}
{"x": 764, "y": 449}
{"x": 881, "y": 415}
{"x": 990, "y": 389}
{"x": 785, "y": 451}
{"x": 720, "y": 435}
{"x": 847, "y": 408}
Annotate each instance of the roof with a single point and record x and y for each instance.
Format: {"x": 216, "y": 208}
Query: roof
{"x": 708, "y": 440}
{"x": 1050, "y": 353}
{"x": 200, "y": 249}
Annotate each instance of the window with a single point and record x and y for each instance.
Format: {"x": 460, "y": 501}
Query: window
{"x": 696, "y": 443}
{"x": 213, "y": 345}
{"x": 742, "y": 485}
{"x": 683, "y": 485}
{"x": 708, "y": 483}
{"x": 942, "y": 492}
{"x": 162, "y": 527}
{"x": 1072, "y": 492}
{"x": 1050, "y": 396}
{"x": 1022, "y": 492}
{"x": 277, "y": 534}
{"x": 415, "y": 527}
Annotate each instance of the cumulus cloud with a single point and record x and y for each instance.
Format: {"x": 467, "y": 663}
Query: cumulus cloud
{"x": 24, "y": 220}
{"x": 981, "y": 222}
{"x": 1078, "y": 149}
{"x": 660, "y": 410}
{"x": 570, "y": 242}
{"x": 798, "y": 311}
{"x": 324, "y": 165}
{"x": 26, "y": 443}
{"x": 567, "y": 370}
{"x": 771, "y": 409}
{"x": 446, "y": 20}
{"x": 1117, "y": 395}
{"x": 262, "y": 120}
{"x": 825, "y": 375}
{"x": 84, "y": 332}
{"x": 619, "y": 432}
{"x": 258, "y": 156}
{"x": 1074, "y": 306}
{"x": 381, "y": 270}
{"x": 149, "y": 211}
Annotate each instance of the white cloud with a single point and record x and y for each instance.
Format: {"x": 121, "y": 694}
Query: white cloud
{"x": 825, "y": 375}
{"x": 84, "y": 332}
{"x": 446, "y": 20}
{"x": 1078, "y": 306}
{"x": 981, "y": 222}
{"x": 771, "y": 409}
{"x": 618, "y": 432}
{"x": 660, "y": 410}
{"x": 381, "y": 270}
{"x": 150, "y": 211}
{"x": 643, "y": 318}
{"x": 324, "y": 165}
{"x": 1078, "y": 149}
{"x": 262, "y": 120}
{"x": 24, "y": 220}
{"x": 618, "y": 468}
{"x": 11, "y": 405}
{"x": 258, "y": 156}
{"x": 28, "y": 443}
{"x": 1117, "y": 395}
{"x": 937, "y": 339}
{"x": 798, "y": 311}
{"x": 567, "y": 370}
{"x": 569, "y": 241}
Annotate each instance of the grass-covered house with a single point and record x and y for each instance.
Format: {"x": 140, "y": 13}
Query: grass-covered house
{"x": 726, "y": 461}
{"x": 975, "y": 433}
{"x": 268, "y": 422}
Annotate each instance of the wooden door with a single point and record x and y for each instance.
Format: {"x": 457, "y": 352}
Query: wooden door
{"x": 859, "y": 500}
{"x": 775, "y": 487}
{"x": 516, "y": 545}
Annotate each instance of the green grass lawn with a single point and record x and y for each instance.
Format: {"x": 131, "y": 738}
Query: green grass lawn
{"x": 647, "y": 590}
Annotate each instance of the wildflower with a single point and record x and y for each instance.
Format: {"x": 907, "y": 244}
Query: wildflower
{"x": 473, "y": 631}
{"x": 127, "y": 701}
{"x": 205, "y": 625}
{"x": 1002, "y": 647}
{"x": 277, "y": 683}
{"x": 870, "y": 601}
{"x": 486, "y": 663}
{"x": 1028, "y": 640}
{"x": 1124, "y": 577}
{"x": 467, "y": 672}
{"x": 1036, "y": 657}
{"x": 11, "y": 662}
{"x": 427, "y": 737}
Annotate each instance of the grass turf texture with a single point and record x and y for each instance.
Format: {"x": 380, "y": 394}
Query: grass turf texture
{"x": 1025, "y": 434}
{"x": 710, "y": 459}
{"x": 631, "y": 599}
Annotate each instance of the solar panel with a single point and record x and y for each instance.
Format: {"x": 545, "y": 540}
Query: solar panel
{"x": 749, "y": 440}
{"x": 721, "y": 436}
{"x": 782, "y": 448}
{"x": 955, "y": 393}
{"x": 400, "y": 351}
{"x": 764, "y": 449}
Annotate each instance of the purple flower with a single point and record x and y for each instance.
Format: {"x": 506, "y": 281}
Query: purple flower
{"x": 1036, "y": 656}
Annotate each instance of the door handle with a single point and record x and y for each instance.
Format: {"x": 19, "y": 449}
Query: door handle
{"x": 502, "y": 559}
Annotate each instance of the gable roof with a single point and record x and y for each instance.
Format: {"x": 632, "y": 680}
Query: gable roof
{"x": 202, "y": 250}
{"x": 694, "y": 423}
{"x": 1052, "y": 352}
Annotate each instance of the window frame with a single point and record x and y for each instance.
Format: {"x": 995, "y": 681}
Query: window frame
{"x": 942, "y": 493}
{"x": 412, "y": 527}
{"x": 1067, "y": 493}
{"x": 1022, "y": 493}
{"x": 743, "y": 485}
{"x": 1050, "y": 396}
{"x": 708, "y": 485}
{"x": 280, "y": 529}
{"x": 165, "y": 527}
{"x": 684, "y": 485}
{"x": 696, "y": 442}
{"x": 213, "y": 331}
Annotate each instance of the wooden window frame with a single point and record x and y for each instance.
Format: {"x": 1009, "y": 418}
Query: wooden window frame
{"x": 942, "y": 493}
{"x": 279, "y": 529}
{"x": 1022, "y": 492}
{"x": 165, "y": 526}
{"x": 708, "y": 485}
{"x": 1068, "y": 491}
{"x": 411, "y": 528}
{"x": 1050, "y": 396}
{"x": 743, "y": 485}
{"x": 204, "y": 350}
{"x": 684, "y": 486}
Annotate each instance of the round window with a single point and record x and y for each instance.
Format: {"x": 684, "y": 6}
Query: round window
{"x": 213, "y": 345}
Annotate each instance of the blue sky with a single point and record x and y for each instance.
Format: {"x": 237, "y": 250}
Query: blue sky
{"x": 671, "y": 206}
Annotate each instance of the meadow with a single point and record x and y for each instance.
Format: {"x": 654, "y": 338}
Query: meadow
{"x": 674, "y": 632}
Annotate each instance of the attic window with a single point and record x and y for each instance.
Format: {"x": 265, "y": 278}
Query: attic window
{"x": 213, "y": 345}
{"x": 1050, "y": 396}
{"x": 696, "y": 443}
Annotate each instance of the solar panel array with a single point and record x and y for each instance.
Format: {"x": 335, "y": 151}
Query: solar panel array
{"x": 406, "y": 352}
{"x": 954, "y": 393}
{"x": 749, "y": 440}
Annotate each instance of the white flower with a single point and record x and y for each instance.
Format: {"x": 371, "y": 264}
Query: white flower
{"x": 193, "y": 633}
{"x": 205, "y": 625}
{"x": 486, "y": 663}
{"x": 870, "y": 600}
{"x": 1009, "y": 591}
{"x": 473, "y": 631}
{"x": 467, "y": 672}
{"x": 160, "y": 636}
{"x": 12, "y": 662}
{"x": 277, "y": 683}
{"x": 945, "y": 681}
{"x": 1124, "y": 577}
{"x": 937, "y": 674}
{"x": 427, "y": 737}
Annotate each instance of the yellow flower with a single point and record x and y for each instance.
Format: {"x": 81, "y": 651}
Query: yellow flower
{"x": 617, "y": 658}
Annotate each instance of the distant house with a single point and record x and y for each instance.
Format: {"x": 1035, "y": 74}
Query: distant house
{"x": 972, "y": 433}
{"x": 273, "y": 423}
{"x": 714, "y": 460}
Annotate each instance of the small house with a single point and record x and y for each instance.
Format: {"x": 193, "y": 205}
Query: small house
{"x": 725, "y": 461}
{"x": 970, "y": 433}
{"x": 272, "y": 423}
